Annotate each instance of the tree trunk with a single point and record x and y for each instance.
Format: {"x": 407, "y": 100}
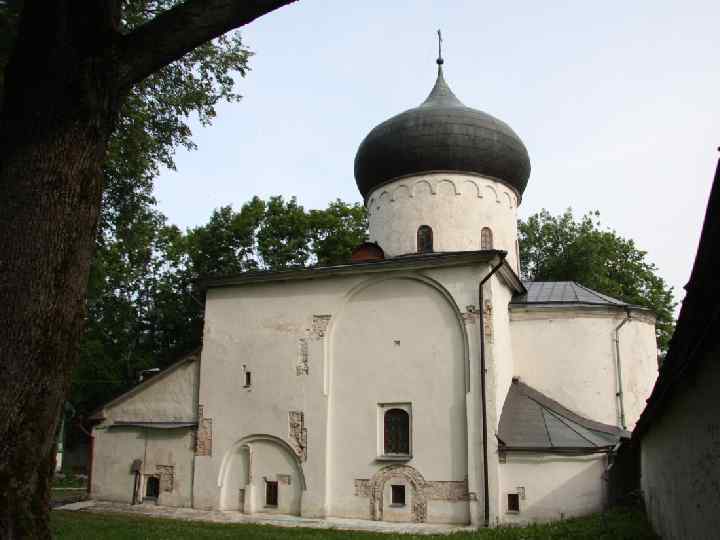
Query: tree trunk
{"x": 63, "y": 87}
{"x": 59, "y": 109}
{"x": 52, "y": 186}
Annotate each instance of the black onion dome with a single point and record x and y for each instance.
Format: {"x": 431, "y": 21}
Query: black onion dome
{"x": 442, "y": 134}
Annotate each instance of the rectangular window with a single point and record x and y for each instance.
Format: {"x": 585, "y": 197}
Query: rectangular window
{"x": 513, "y": 502}
{"x": 248, "y": 378}
{"x": 271, "y": 493}
{"x": 398, "y": 495}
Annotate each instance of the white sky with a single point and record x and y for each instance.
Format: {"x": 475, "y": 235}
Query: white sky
{"x": 616, "y": 101}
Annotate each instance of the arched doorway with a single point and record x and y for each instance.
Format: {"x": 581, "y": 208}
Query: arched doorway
{"x": 261, "y": 474}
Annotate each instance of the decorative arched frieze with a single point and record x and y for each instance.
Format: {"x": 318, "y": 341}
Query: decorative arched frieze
{"x": 509, "y": 199}
{"x": 417, "y": 185}
{"x": 473, "y": 187}
{"x": 449, "y": 183}
{"x": 493, "y": 191}
{"x": 401, "y": 191}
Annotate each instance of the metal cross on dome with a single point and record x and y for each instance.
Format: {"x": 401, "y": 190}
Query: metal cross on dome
{"x": 440, "y": 58}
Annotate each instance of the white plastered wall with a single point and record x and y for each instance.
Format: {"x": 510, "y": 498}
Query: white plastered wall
{"x": 261, "y": 327}
{"x": 398, "y": 341}
{"x": 456, "y": 206}
{"x": 569, "y": 355}
{"x": 555, "y": 487}
{"x": 171, "y": 397}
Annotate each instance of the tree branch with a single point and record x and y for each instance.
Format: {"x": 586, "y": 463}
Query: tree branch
{"x": 172, "y": 34}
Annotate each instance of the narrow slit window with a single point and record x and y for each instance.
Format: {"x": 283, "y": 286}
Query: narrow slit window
{"x": 397, "y": 432}
{"x": 424, "y": 239}
{"x": 513, "y": 502}
{"x": 271, "y": 493}
{"x": 486, "y": 238}
{"x": 248, "y": 378}
{"x": 398, "y": 495}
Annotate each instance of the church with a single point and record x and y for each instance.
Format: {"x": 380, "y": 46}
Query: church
{"x": 423, "y": 381}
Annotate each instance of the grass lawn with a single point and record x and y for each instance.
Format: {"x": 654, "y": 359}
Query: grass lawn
{"x": 613, "y": 525}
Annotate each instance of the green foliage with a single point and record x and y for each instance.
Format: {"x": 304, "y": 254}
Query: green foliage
{"x": 561, "y": 248}
{"x": 613, "y": 525}
{"x": 228, "y": 243}
{"x": 141, "y": 312}
{"x": 283, "y": 238}
{"x": 335, "y": 231}
{"x": 143, "y": 306}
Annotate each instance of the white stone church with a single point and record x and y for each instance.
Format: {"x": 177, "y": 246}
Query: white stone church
{"x": 422, "y": 382}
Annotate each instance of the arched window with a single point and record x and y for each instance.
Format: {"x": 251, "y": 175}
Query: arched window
{"x": 486, "y": 239}
{"x": 397, "y": 432}
{"x": 424, "y": 239}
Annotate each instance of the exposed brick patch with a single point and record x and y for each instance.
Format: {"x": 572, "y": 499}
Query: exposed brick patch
{"x": 320, "y": 325}
{"x": 418, "y": 510}
{"x": 363, "y": 487}
{"x": 302, "y": 367}
{"x": 167, "y": 477}
{"x": 422, "y": 490}
{"x": 447, "y": 490}
{"x": 297, "y": 433}
{"x": 487, "y": 320}
{"x": 203, "y": 438}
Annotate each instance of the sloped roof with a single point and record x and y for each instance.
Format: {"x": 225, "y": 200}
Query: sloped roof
{"x": 403, "y": 263}
{"x": 563, "y": 292}
{"x": 531, "y": 421}
{"x": 194, "y": 355}
{"x": 696, "y": 332}
{"x": 153, "y": 424}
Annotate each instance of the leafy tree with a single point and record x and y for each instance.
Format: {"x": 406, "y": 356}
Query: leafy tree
{"x": 72, "y": 69}
{"x": 336, "y": 230}
{"x": 562, "y": 248}
{"x": 126, "y": 329}
{"x": 228, "y": 243}
{"x": 284, "y": 235}
{"x": 143, "y": 306}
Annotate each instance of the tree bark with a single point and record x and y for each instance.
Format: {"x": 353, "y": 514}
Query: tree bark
{"x": 63, "y": 89}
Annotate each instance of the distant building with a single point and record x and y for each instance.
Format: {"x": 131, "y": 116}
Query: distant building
{"x": 422, "y": 382}
{"x": 679, "y": 432}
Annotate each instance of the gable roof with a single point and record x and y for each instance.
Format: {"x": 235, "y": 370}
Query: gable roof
{"x": 99, "y": 413}
{"x": 531, "y": 421}
{"x": 563, "y": 292}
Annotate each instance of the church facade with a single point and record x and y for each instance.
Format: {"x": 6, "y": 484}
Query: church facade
{"x": 421, "y": 382}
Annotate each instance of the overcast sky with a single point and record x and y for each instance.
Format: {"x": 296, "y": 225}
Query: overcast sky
{"x": 616, "y": 101}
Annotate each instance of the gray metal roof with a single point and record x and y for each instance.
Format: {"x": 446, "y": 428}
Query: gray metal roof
{"x": 154, "y": 424}
{"x": 563, "y": 292}
{"x": 531, "y": 421}
{"x": 401, "y": 263}
{"x": 441, "y": 134}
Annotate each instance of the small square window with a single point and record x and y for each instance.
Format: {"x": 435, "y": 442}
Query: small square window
{"x": 398, "y": 495}
{"x": 513, "y": 502}
{"x": 271, "y": 493}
